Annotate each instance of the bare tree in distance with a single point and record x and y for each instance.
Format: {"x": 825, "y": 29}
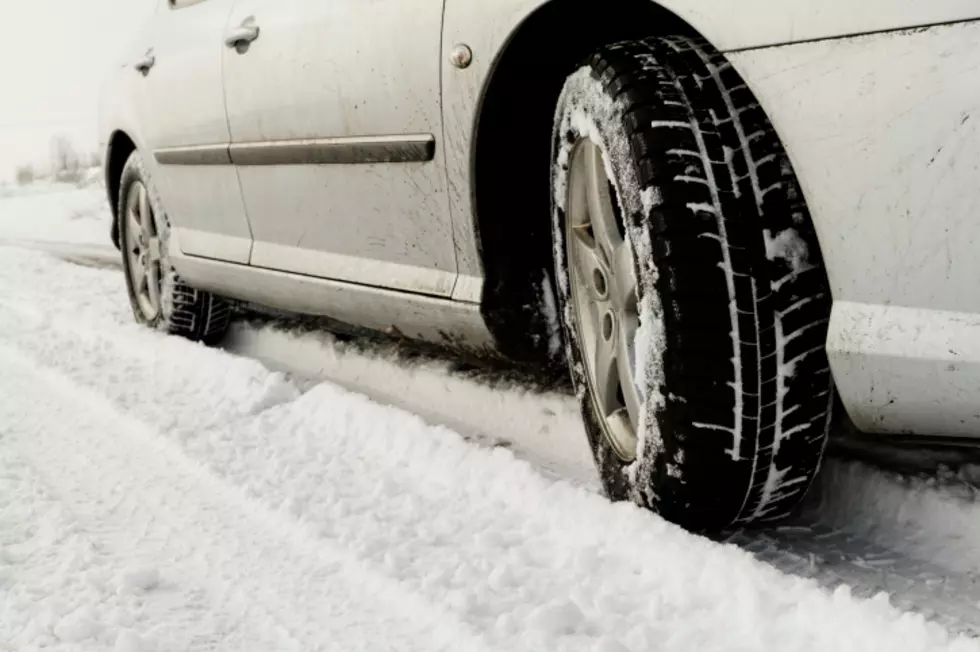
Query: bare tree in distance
{"x": 25, "y": 174}
{"x": 66, "y": 164}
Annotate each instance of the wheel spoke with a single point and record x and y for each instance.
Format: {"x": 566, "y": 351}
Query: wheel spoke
{"x": 624, "y": 291}
{"x": 626, "y": 364}
{"x": 153, "y": 288}
{"x": 134, "y": 228}
{"x": 153, "y": 249}
{"x": 146, "y": 215}
{"x": 141, "y": 286}
{"x": 135, "y": 270}
{"x": 601, "y": 212}
{"x": 606, "y": 366}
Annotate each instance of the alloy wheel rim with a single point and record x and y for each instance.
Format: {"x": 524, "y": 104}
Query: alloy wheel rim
{"x": 603, "y": 293}
{"x": 143, "y": 251}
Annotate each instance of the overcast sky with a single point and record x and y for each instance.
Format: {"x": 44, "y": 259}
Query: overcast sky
{"x": 53, "y": 56}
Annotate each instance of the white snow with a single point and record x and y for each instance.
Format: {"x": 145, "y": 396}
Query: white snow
{"x": 77, "y": 626}
{"x": 789, "y": 246}
{"x": 651, "y": 198}
{"x": 159, "y": 495}
{"x": 543, "y": 427}
{"x": 55, "y": 213}
{"x": 129, "y": 641}
{"x": 550, "y": 306}
{"x": 138, "y": 580}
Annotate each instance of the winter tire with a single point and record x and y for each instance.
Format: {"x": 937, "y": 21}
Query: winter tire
{"x": 158, "y": 298}
{"x": 693, "y": 296}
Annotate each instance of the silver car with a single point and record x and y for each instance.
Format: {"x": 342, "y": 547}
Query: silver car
{"x": 712, "y": 212}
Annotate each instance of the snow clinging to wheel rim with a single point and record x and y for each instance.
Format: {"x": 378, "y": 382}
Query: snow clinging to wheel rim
{"x": 550, "y": 307}
{"x": 587, "y": 112}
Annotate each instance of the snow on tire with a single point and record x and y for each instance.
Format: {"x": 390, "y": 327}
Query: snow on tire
{"x": 179, "y": 309}
{"x": 732, "y": 299}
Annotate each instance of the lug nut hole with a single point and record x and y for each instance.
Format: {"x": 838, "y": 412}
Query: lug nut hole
{"x": 607, "y": 326}
{"x": 599, "y": 280}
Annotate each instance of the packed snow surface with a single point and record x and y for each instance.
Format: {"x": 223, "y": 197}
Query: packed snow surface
{"x": 55, "y": 213}
{"x": 159, "y": 495}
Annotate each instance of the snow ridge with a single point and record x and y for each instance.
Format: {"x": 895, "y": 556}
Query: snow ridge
{"x": 521, "y": 561}
{"x": 74, "y": 416}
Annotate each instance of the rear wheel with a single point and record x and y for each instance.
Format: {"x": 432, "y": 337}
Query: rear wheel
{"x": 158, "y": 298}
{"x": 695, "y": 303}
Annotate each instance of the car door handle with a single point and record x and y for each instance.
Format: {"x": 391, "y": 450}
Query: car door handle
{"x": 144, "y": 65}
{"x": 241, "y": 36}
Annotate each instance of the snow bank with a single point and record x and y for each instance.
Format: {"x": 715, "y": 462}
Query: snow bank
{"x": 494, "y": 554}
{"x": 55, "y": 212}
{"x": 541, "y": 426}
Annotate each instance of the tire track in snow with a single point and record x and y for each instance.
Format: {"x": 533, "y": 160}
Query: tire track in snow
{"x": 837, "y": 559}
{"x": 261, "y": 581}
{"x": 528, "y": 562}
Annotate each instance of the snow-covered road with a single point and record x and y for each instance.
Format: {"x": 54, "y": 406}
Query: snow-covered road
{"x": 159, "y": 495}
{"x": 869, "y": 530}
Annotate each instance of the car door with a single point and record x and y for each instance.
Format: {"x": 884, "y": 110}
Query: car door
{"x": 186, "y": 129}
{"x": 335, "y": 118}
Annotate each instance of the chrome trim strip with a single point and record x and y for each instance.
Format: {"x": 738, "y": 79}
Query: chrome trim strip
{"x": 349, "y": 150}
{"x": 316, "y": 151}
{"x": 194, "y": 155}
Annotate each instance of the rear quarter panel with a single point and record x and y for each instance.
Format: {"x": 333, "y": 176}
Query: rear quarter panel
{"x": 883, "y": 132}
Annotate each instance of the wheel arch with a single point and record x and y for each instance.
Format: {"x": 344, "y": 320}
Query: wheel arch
{"x": 118, "y": 150}
{"x": 510, "y": 193}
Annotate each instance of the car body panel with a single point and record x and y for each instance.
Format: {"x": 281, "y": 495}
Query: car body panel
{"x": 878, "y": 126}
{"x": 758, "y": 23}
{"x": 487, "y": 27}
{"x": 311, "y": 78}
{"x": 185, "y": 108}
{"x": 906, "y": 370}
{"x": 883, "y": 133}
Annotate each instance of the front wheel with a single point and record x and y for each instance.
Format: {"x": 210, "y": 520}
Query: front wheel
{"x": 695, "y": 303}
{"x": 158, "y": 297}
